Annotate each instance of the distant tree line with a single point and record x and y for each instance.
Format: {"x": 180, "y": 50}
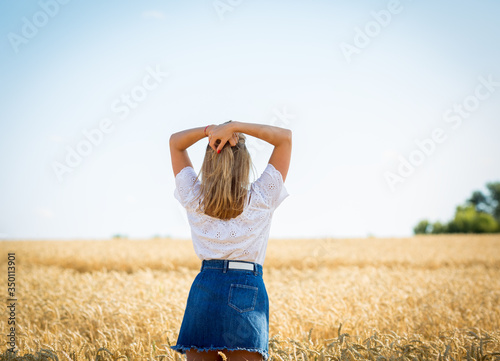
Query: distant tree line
{"x": 479, "y": 214}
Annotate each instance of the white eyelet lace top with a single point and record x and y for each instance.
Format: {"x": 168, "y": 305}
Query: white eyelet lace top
{"x": 243, "y": 237}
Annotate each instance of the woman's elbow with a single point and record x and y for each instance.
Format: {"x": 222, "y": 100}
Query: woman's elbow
{"x": 173, "y": 140}
{"x": 288, "y": 135}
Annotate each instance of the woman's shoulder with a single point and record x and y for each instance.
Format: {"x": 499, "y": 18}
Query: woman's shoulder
{"x": 271, "y": 168}
{"x": 269, "y": 188}
{"x": 187, "y": 176}
{"x": 183, "y": 171}
{"x": 269, "y": 176}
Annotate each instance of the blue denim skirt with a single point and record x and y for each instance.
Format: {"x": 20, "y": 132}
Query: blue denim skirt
{"x": 227, "y": 308}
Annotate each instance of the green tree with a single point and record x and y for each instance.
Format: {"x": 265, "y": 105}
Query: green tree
{"x": 479, "y": 214}
{"x": 487, "y": 203}
{"x": 485, "y": 223}
{"x": 468, "y": 220}
{"x": 480, "y": 202}
{"x": 438, "y": 227}
{"x": 494, "y": 196}
{"x": 422, "y": 227}
{"x": 463, "y": 221}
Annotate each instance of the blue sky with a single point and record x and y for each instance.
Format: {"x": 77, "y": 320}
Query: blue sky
{"x": 133, "y": 73}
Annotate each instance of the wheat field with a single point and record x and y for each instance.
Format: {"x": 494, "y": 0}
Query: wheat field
{"x": 416, "y": 298}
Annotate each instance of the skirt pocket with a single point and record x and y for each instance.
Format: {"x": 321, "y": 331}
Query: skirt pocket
{"x": 242, "y": 297}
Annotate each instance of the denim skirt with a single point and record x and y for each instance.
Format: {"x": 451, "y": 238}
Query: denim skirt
{"x": 227, "y": 308}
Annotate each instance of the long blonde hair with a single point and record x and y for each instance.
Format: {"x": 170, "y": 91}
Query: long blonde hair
{"x": 225, "y": 180}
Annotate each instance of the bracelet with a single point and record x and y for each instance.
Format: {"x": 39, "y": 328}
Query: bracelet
{"x": 205, "y": 130}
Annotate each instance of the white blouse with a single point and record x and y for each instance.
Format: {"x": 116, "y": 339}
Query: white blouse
{"x": 243, "y": 237}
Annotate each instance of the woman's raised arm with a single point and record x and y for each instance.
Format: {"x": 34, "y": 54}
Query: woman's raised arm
{"x": 182, "y": 140}
{"x": 179, "y": 142}
{"x": 281, "y": 138}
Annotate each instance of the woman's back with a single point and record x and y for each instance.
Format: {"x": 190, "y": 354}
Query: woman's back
{"x": 230, "y": 224}
{"x": 243, "y": 237}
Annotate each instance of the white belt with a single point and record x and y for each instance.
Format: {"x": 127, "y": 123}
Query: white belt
{"x": 240, "y": 265}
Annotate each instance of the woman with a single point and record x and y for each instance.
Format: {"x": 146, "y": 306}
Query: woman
{"x": 228, "y": 308}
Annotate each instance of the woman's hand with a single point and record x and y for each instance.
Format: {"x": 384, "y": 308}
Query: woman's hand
{"x": 223, "y": 132}
{"x": 234, "y": 139}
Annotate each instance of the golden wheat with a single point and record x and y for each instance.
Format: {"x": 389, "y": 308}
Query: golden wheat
{"x": 433, "y": 297}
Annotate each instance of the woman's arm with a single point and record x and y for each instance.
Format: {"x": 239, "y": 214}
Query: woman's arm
{"x": 269, "y": 133}
{"x": 281, "y": 138}
{"x": 184, "y": 139}
{"x": 179, "y": 142}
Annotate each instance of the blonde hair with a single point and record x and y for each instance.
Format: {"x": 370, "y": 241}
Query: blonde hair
{"x": 225, "y": 180}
